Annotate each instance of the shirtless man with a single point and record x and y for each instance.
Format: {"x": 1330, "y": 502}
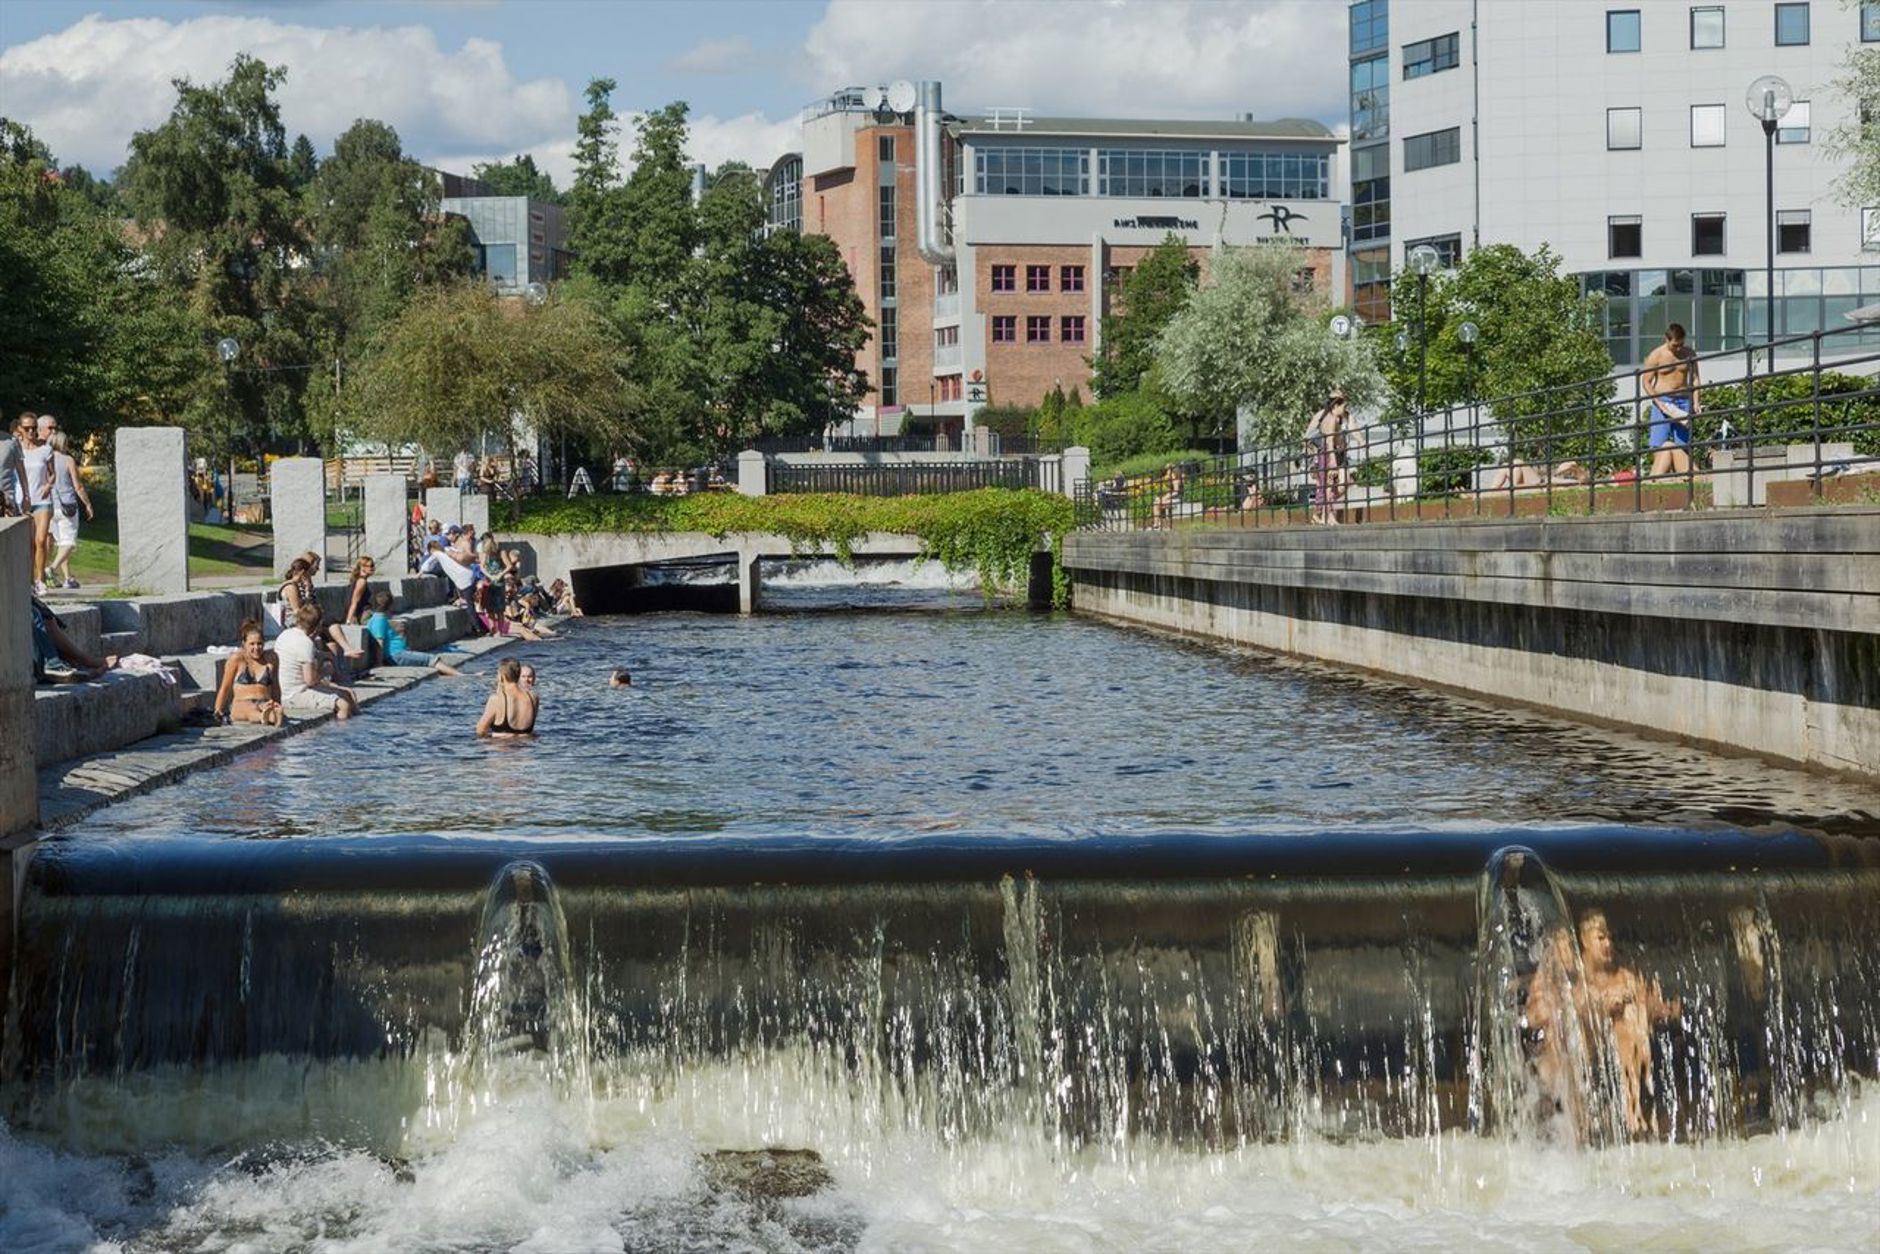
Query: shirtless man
{"x": 1669, "y": 377}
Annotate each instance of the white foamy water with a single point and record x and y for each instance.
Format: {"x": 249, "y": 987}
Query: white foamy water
{"x": 507, "y": 1163}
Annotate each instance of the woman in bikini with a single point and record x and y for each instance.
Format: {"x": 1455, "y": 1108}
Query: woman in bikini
{"x": 251, "y": 687}
{"x": 358, "y": 590}
{"x": 510, "y": 711}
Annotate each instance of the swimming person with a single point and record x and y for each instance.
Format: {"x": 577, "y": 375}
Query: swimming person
{"x": 620, "y": 678}
{"x": 510, "y": 711}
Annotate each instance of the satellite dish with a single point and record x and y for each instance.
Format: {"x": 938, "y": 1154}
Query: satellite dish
{"x": 874, "y": 97}
{"x": 901, "y": 96}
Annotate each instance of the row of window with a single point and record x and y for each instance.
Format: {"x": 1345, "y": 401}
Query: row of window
{"x": 1037, "y": 278}
{"x": 1625, "y": 234}
{"x": 1149, "y": 172}
{"x": 1725, "y": 309}
{"x": 1625, "y": 128}
{"x": 1623, "y": 33}
{"x": 1037, "y": 329}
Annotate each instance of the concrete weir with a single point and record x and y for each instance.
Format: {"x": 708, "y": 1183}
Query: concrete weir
{"x": 1746, "y": 631}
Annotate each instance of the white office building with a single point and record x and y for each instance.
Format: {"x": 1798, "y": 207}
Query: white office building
{"x": 1616, "y": 132}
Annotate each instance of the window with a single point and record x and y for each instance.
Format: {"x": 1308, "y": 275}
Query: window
{"x": 1005, "y": 278}
{"x": 1370, "y": 26}
{"x": 888, "y": 334}
{"x": 1707, "y": 26}
{"x": 1792, "y": 231}
{"x": 884, "y": 149}
{"x": 1037, "y": 278}
{"x": 1370, "y": 279}
{"x": 1870, "y": 230}
{"x": 1791, "y": 25}
{"x": 1625, "y": 237}
{"x": 1071, "y": 278}
{"x": 1038, "y": 329}
{"x": 1370, "y": 98}
{"x": 1071, "y": 328}
{"x": 1448, "y": 250}
{"x": 1707, "y": 234}
{"x": 1370, "y": 193}
{"x": 950, "y": 387}
{"x": 1002, "y": 171}
{"x": 1622, "y": 30}
{"x": 1275, "y": 176}
{"x": 1115, "y": 276}
{"x": 1624, "y": 128}
{"x": 1792, "y": 128}
{"x": 944, "y": 337}
{"x": 1870, "y": 21}
{"x": 1421, "y": 152}
{"x": 886, "y": 206}
{"x": 1707, "y": 126}
{"x": 1152, "y": 172}
{"x": 1004, "y": 328}
{"x": 946, "y": 281}
{"x": 890, "y": 389}
{"x": 1432, "y": 56}
{"x": 887, "y": 272}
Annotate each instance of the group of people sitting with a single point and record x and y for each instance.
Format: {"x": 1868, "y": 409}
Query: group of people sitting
{"x": 488, "y": 581}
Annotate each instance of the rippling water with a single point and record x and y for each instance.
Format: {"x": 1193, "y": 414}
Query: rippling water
{"x": 883, "y": 727}
{"x": 888, "y": 724}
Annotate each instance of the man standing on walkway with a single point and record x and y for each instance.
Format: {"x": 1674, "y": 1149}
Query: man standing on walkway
{"x": 1669, "y": 377}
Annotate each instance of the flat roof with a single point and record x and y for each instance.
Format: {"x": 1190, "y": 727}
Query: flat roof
{"x": 1005, "y": 124}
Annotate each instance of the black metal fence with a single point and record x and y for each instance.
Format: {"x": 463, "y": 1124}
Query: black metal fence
{"x": 1806, "y": 430}
{"x": 903, "y": 478}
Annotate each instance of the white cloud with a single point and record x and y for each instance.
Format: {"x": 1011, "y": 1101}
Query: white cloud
{"x": 85, "y": 89}
{"x": 1168, "y": 58}
{"x": 715, "y": 56}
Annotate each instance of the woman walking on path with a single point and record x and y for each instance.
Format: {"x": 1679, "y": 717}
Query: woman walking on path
{"x": 68, "y": 497}
{"x": 1325, "y": 443}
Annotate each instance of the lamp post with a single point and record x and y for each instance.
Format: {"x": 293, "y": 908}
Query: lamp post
{"x": 1423, "y": 262}
{"x": 228, "y": 348}
{"x": 1467, "y": 333}
{"x": 1768, "y": 99}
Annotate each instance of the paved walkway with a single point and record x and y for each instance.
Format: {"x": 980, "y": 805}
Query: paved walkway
{"x": 68, "y": 791}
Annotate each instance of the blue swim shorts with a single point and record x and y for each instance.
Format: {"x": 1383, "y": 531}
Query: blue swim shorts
{"x": 1670, "y": 431}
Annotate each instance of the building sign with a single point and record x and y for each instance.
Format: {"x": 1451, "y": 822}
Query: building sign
{"x": 976, "y": 392}
{"x": 1157, "y": 224}
{"x": 1282, "y": 217}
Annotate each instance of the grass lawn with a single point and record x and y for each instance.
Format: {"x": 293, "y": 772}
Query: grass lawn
{"x": 215, "y": 552}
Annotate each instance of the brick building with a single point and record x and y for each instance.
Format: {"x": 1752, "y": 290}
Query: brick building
{"x": 987, "y": 247}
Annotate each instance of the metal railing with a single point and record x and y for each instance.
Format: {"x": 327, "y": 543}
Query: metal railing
{"x": 1801, "y": 433}
{"x": 903, "y": 478}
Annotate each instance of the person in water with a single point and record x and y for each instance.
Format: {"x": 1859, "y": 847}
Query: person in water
{"x": 250, "y": 691}
{"x": 620, "y": 678}
{"x": 510, "y": 711}
{"x": 1607, "y": 1002}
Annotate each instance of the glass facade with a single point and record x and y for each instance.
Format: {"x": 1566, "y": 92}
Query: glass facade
{"x": 1001, "y": 171}
{"x": 1370, "y": 26}
{"x": 1152, "y": 172}
{"x": 1370, "y": 280}
{"x": 1370, "y": 159}
{"x": 784, "y": 210}
{"x": 514, "y": 241}
{"x": 1370, "y": 98}
{"x": 1370, "y": 193}
{"x": 1448, "y": 249}
{"x": 1275, "y": 176}
{"x": 1726, "y": 309}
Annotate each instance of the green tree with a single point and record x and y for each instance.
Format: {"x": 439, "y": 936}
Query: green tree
{"x": 1254, "y": 338}
{"x": 519, "y": 177}
{"x": 1541, "y": 348}
{"x": 1857, "y": 139}
{"x": 373, "y": 217}
{"x": 459, "y": 363}
{"x": 597, "y": 228}
{"x": 211, "y": 188}
{"x": 1152, "y": 294}
{"x": 302, "y": 163}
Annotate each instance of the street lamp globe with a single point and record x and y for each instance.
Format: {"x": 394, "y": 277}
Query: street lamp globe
{"x": 1403, "y": 341}
{"x": 535, "y": 293}
{"x": 1769, "y": 97}
{"x": 1423, "y": 261}
{"x": 228, "y": 348}
{"x": 1468, "y": 332}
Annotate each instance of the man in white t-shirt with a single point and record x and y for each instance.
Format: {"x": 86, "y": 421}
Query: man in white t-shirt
{"x": 465, "y": 468}
{"x": 304, "y": 691}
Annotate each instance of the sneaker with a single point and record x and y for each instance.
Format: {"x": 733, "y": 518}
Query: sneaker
{"x": 59, "y": 671}
{"x": 71, "y": 585}
{"x": 39, "y": 587}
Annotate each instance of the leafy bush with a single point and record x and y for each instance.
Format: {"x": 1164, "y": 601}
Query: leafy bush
{"x": 1006, "y": 419}
{"x": 1783, "y": 411}
{"x": 1133, "y": 424}
{"x": 1149, "y": 464}
{"x": 1448, "y": 471}
{"x": 993, "y": 531}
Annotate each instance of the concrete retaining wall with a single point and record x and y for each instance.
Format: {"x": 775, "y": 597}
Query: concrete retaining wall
{"x": 19, "y": 805}
{"x": 1747, "y": 632}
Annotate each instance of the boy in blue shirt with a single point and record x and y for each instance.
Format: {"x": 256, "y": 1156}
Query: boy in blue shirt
{"x": 391, "y": 641}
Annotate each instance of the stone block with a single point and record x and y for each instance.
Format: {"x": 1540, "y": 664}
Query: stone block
{"x": 474, "y": 511}
{"x": 297, "y": 503}
{"x": 76, "y": 720}
{"x": 443, "y": 505}
{"x": 1074, "y": 469}
{"x": 387, "y": 522}
{"x": 753, "y": 473}
{"x": 83, "y": 623}
{"x": 153, "y": 509}
{"x": 19, "y": 788}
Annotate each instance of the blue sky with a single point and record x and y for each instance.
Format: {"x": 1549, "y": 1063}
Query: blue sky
{"x": 464, "y": 80}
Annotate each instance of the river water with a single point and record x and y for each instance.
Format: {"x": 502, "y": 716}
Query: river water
{"x": 756, "y": 902}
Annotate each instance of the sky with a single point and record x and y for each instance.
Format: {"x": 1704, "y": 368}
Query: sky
{"x": 465, "y": 81}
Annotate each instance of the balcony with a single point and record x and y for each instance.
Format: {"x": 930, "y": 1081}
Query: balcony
{"x": 946, "y": 308}
{"x": 946, "y": 358}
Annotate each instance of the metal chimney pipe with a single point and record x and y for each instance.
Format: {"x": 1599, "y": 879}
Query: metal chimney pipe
{"x": 930, "y": 190}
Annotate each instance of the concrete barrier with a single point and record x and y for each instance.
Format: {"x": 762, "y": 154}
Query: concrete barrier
{"x": 19, "y": 804}
{"x": 73, "y": 720}
{"x": 387, "y": 520}
{"x": 297, "y": 505}
{"x": 153, "y": 510}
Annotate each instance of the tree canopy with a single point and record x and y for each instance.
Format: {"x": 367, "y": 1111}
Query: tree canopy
{"x": 1152, "y": 293}
{"x": 519, "y": 177}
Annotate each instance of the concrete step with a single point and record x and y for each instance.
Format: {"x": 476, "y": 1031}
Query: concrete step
{"x": 73, "y": 720}
{"x": 120, "y": 642}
